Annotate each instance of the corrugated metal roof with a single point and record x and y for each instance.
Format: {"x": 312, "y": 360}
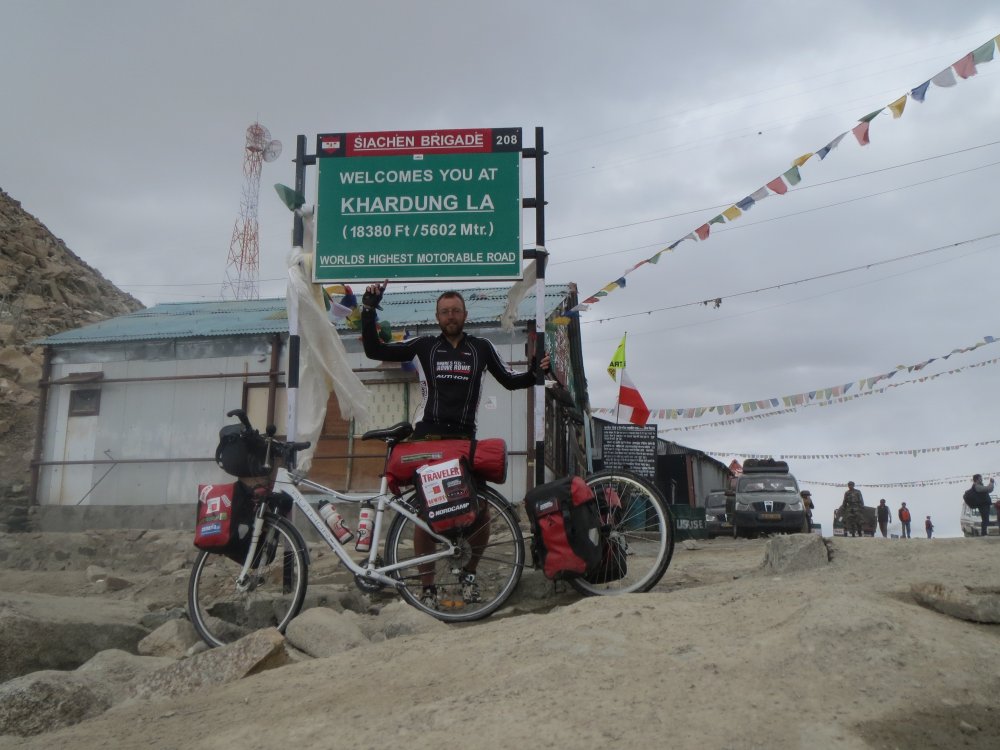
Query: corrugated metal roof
{"x": 178, "y": 320}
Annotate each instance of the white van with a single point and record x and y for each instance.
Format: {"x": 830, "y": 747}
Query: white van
{"x": 972, "y": 523}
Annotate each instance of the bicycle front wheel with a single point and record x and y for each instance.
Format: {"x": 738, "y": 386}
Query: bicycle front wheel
{"x": 222, "y": 611}
{"x": 641, "y": 530}
{"x": 493, "y": 546}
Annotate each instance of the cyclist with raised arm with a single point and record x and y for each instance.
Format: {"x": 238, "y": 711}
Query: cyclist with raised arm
{"x": 451, "y": 367}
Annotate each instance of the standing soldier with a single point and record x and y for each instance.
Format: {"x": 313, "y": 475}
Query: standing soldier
{"x": 851, "y": 510}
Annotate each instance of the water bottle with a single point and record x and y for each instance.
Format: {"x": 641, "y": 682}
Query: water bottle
{"x": 335, "y": 521}
{"x": 365, "y": 517}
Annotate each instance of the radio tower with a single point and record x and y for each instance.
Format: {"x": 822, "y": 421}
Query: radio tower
{"x": 242, "y": 268}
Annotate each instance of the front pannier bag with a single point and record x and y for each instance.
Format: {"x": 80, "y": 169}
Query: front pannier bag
{"x": 566, "y": 526}
{"x": 224, "y": 520}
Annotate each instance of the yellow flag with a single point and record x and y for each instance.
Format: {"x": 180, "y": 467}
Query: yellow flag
{"x": 802, "y": 159}
{"x": 617, "y": 361}
{"x": 898, "y": 106}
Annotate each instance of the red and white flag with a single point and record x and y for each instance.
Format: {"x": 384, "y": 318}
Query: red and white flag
{"x": 630, "y": 403}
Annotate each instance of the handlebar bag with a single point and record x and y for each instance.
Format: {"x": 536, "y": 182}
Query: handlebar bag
{"x": 567, "y": 539}
{"x": 224, "y": 520}
{"x": 448, "y": 497}
{"x": 241, "y": 453}
{"x": 486, "y": 458}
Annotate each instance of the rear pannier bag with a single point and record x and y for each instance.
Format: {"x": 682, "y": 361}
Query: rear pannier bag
{"x": 614, "y": 560}
{"x": 487, "y": 459}
{"x": 224, "y": 520}
{"x": 448, "y": 497}
{"x": 566, "y": 526}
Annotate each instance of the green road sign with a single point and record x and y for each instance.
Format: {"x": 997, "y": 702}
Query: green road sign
{"x": 440, "y": 205}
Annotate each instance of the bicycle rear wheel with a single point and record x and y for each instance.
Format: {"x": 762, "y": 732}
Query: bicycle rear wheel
{"x": 495, "y": 535}
{"x": 642, "y": 529}
{"x": 223, "y": 612}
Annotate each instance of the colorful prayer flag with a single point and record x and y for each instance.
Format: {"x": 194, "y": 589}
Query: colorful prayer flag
{"x": 920, "y": 92}
{"x": 897, "y": 107}
{"x": 861, "y": 132}
{"x": 966, "y": 67}
{"x": 944, "y": 79}
{"x": 778, "y": 186}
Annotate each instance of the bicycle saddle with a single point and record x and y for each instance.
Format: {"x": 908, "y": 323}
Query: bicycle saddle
{"x": 398, "y": 432}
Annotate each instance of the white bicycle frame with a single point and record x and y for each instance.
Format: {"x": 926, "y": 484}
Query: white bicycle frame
{"x": 289, "y": 484}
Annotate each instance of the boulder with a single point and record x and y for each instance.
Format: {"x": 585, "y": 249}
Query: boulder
{"x": 963, "y": 602}
{"x": 254, "y": 653}
{"x": 40, "y": 632}
{"x": 173, "y": 638}
{"x": 48, "y": 700}
{"x": 322, "y": 632}
{"x": 791, "y": 552}
{"x": 115, "y": 670}
{"x": 43, "y": 701}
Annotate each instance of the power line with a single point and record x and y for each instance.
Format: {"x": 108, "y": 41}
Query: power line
{"x": 723, "y": 205}
{"x": 718, "y": 300}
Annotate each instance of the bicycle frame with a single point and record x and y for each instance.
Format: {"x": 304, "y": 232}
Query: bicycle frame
{"x": 289, "y": 484}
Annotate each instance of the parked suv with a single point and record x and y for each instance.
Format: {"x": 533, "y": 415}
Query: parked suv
{"x": 716, "y": 519}
{"x": 767, "y": 500}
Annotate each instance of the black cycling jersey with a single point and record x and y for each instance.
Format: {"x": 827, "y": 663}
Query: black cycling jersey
{"x": 450, "y": 377}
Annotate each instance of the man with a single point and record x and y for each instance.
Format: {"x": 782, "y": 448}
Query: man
{"x": 451, "y": 368}
{"x": 904, "y": 520}
{"x": 983, "y": 491}
{"x": 852, "y": 513}
{"x": 807, "y": 505}
{"x": 884, "y": 516}
{"x": 929, "y": 527}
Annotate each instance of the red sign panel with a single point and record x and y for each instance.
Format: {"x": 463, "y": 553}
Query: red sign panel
{"x": 412, "y": 142}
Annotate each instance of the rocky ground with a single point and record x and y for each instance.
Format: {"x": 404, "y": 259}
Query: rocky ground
{"x": 788, "y": 643}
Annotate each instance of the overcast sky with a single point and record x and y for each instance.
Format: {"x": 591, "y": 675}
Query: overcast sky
{"x": 123, "y": 131}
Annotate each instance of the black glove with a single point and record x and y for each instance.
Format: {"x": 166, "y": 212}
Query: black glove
{"x": 370, "y": 300}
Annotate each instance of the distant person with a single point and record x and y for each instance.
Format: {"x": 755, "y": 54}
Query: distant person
{"x": 983, "y": 491}
{"x": 851, "y": 511}
{"x": 807, "y": 504}
{"x": 884, "y": 516}
{"x": 929, "y": 527}
{"x": 904, "y": 519}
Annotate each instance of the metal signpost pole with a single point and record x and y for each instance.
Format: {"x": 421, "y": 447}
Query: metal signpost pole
{"x": 540, "y": 255}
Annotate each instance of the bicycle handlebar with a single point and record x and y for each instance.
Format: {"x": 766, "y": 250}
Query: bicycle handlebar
{"x": 285, "y": 449}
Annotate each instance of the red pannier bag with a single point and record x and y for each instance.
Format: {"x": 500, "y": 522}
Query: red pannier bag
{"x": 448, "y": 497}
{"x": 224, "y": 519}
{"x": 567, "y": 537}
{"x": 486, "y": 458}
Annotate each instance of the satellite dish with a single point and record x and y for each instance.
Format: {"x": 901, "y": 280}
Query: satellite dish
{"x": 272, "y": 150}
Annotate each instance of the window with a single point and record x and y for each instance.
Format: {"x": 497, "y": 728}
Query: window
{"x": 85, "y": 402}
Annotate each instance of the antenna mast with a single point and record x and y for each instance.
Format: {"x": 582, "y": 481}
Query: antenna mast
{"x": 242, "y": 267}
